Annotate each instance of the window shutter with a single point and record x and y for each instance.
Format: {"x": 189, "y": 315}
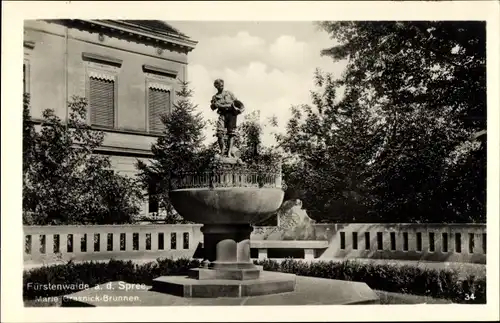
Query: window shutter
{"x": 159, "y": 104}
{"x": 102, "y": 102}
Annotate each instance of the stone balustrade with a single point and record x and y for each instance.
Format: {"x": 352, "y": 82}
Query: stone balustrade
{"x": 49, "y": 244}
{"x": 405, "y": 241}
{"x": 432, "y": 242}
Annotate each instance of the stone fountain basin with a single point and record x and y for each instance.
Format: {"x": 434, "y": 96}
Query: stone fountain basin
{"x": 232, "y": 205}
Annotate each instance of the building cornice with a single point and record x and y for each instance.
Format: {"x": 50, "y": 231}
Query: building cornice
{"x": 123, "y": 29}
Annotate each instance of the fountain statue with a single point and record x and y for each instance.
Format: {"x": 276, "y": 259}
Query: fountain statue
{"x": 227, "y": 199}
{"x": 228, "y": 108}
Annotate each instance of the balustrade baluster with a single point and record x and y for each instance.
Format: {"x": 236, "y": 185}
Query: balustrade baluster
{"x": 49, "y": 244}
{"x": 154, "y": 241}
{"x": 77, "y": 242}
{"x": 69, "y": 238}
{"x": 103, "y": 242}
{"x": 129, "y": 243}
{"x": 36, "y": 246}
{"x": 116, "y": 241}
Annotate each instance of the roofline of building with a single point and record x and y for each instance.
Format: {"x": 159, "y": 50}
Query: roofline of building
{"x": 141, "y": 33}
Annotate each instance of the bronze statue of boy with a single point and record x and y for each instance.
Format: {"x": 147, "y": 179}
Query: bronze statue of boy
{"x": 228, "y": 108}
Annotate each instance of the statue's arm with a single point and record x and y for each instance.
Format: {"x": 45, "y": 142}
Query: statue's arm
{"x": 213, "y": 106}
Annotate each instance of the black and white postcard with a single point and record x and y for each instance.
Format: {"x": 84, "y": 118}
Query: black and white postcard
{"x": 219, "y": 161}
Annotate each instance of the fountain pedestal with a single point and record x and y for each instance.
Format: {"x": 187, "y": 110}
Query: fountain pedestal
{"x": 227, "y": 245}
{"x": 228, "y": 270}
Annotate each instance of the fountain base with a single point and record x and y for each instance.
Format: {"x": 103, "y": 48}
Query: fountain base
{"x": 228, "y": 270}
{"x": 308, "y": 291}
{"x": 205, "y": 283}
{"x": 229, "y": 273}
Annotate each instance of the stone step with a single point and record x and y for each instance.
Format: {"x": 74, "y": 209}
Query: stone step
{"x": 227, "y": 273}
{"x": 267, "y": 283}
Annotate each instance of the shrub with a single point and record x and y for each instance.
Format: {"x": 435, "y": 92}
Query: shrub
{"x": 64, "y": 180}
{"x": 44, "y": 279}
{"x": 444, "y": 283}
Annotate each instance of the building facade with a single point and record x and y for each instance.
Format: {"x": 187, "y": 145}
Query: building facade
{"x": 129, "y": 72}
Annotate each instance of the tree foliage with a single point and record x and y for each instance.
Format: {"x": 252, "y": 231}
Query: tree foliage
{"x": 249, "y": 141}
{"x": 333, "y": 145}
{"x": 397, "y": 146}
{"x": 64, "y": 180}
{"x": 179, "y": 149}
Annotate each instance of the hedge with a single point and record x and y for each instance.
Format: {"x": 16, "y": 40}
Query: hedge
{"x": 96, "y": 273}
{"x": 442, "y": 283}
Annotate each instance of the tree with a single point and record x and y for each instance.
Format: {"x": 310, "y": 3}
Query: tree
{"x": 427, "y": 81}
{"x": 333, "y": 145}
{"x": 64, "y": 180}
{"x": 29, "y": 141}
{"x": 258, "y": 157}
{"x": 179, "y": 149}
{"x": 439, "y": 65}
{"x": 249, "y": 141}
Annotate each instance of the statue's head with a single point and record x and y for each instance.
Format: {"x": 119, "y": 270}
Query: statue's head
{"x": 219, "y": 84}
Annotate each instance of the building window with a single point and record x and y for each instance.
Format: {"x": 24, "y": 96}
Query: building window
{"x": 102, "y": 101}
{"x": 159, "y": 100}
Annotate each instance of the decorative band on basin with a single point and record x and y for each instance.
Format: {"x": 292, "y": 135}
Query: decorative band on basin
{"x": 230, "y": 175}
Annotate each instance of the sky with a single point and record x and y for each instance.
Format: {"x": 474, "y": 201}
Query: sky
{"x": 269, "y": 66}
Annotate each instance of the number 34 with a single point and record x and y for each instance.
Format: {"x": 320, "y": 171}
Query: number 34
{"x": 469, "y": 297}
